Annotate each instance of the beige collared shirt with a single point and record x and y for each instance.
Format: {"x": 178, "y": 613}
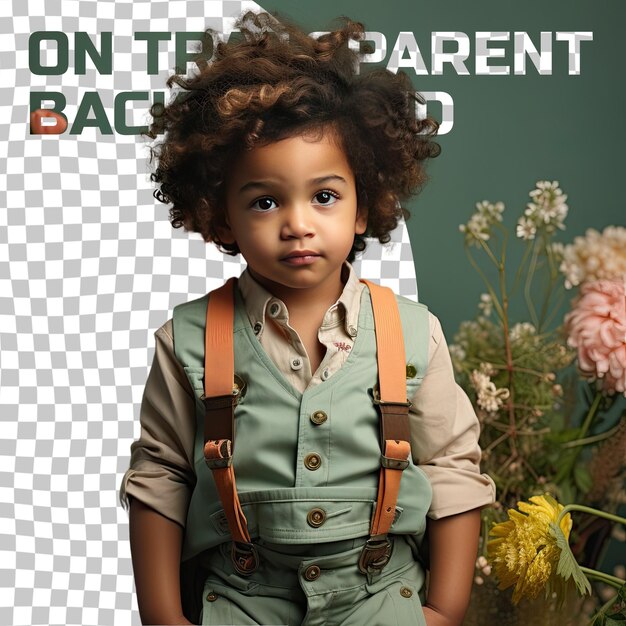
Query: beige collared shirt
{"x": 444, "y": 427}
{"x": 269, "y": 319}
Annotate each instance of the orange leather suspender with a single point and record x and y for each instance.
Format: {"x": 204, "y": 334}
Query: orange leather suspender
{"x": 220, "y": 399}
{"x": 390, "y": 397}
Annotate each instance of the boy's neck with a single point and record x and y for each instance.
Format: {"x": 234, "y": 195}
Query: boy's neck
{"x": 307, "y": 301}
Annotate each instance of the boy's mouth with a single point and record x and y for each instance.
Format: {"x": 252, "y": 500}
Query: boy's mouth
{"x": 301, "y": 257}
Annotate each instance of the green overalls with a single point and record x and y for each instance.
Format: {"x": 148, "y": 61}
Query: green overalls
{"x": 307, "y": 467}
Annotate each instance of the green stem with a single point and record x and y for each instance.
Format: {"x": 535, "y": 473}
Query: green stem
{"x": 518, "y": 274}
{"x": 490, "y": 289}
{"x": 614, "y": 581}
{"x": 527, "y": 286}
{"x": 553, "y": 278}
{"x": 490, "y": 254}
{"x": 567, "y": 467}
{"x": 602, "y": 610}
{"x": 593, "y": 409}
{"x": 593, "y": 439}
{"x": 591, "y": 511}
{"x": 523, "y": 370}
{"x": 557, "y": 305}
{"x": 529, "y": 433}
{"x": 507, "y": 344}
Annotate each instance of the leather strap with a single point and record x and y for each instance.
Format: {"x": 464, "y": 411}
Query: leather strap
{"x": 389, "y": 346}
{"x": 220, "y": 398}
{"x": 390, "y": 397}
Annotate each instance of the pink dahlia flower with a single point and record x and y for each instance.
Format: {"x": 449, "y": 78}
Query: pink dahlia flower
{"x": 596, "y": 326}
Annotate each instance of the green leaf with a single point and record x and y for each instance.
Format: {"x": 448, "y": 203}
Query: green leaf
{"x": 603, "y": 618}
{"x": 564, "y": 435}
{"x": 582, "y": 478}
{"x": 568, "y": 567}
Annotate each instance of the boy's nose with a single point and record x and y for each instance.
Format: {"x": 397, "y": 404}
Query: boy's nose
{"x": 297, "y": 223}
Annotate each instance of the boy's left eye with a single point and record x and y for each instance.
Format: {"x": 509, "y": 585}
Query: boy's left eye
{"x": 326, "y": 198}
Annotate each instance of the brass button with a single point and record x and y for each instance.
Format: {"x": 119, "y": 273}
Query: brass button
{"x": 312, "y": 572}
{"x": 319, "y": 417}
{"x": 316, "y": 517}
{"x": 405, "y": 592}
{"x": 411, "y": 371}
{"x": 312, "y": 461}
{"x": 211, "y": 596}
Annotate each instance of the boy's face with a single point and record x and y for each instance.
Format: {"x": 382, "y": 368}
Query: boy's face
{"x": 292, "y": 210}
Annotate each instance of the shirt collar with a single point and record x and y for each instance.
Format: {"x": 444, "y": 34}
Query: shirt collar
{"x": 346, "y": 309}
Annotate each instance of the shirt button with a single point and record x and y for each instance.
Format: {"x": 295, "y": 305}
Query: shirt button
{"x": 316, "y": 517}
{"x": 411, "y": 372}
{"x": 312, "y": 572}
{"x": 312, "y": 461}
{"x": 274, "y": 309}
{"x": 319, "y": 417}
{"x": 257, "y": 328}
{"x": 211, "y": 596}
{"x": 405, "y": 592}
{"x": 296, "y": 364}
{"x": 352, "y": 331}
{"x": 325, "y": 374}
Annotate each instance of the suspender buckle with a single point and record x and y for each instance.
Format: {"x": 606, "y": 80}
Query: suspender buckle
{"x": 215, "y": 403}
{"x": 390, "y": 463}
{"x": 375, "y": 554}
{"x": 218, "y": 453}
{"x": 245, "y": 557}
{"x": 377, "y": 400}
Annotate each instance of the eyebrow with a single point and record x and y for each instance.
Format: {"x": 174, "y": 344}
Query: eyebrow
{"x": 256, "y": 184}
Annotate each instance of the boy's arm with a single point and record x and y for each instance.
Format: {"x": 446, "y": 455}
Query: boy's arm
{"x": 155, "y": 543}
{"x": 453, "y": 544}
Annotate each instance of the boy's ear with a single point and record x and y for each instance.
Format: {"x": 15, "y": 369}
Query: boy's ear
{"x": 225, "y": 233}
{"x": 360, "y": 225}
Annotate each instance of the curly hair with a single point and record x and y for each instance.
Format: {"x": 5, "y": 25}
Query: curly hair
{"x": 276, "y": 82}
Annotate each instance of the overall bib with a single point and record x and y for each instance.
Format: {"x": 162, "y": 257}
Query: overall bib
{"x": 307, "y": 467}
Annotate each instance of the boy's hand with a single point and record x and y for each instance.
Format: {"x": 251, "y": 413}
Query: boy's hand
{"x": 433, "y": 618}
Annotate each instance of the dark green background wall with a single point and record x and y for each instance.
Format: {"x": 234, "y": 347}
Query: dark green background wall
{"x": 509, "y": 131}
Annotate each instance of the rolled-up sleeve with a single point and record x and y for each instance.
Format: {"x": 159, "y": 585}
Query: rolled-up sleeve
{"x": 444, "y": 436}
{"x": 160, "y": 473}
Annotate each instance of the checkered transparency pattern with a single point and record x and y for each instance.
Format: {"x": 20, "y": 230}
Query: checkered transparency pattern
{"x": 89, "y": 268}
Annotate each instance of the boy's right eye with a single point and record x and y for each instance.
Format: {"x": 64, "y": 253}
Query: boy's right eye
{"x": 263, "y": 204}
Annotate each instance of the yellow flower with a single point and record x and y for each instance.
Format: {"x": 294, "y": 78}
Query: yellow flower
{"x": 523, "y": 552}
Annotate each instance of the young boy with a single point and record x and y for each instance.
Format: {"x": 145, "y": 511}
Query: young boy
{"x": 280, "y": 152}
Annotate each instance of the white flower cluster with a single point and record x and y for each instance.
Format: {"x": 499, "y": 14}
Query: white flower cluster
{"x": 595, "y": 256}
{"x": 521, "y": 330}
{"x": 483, "y": 566}
{"x": 486, "y": 304}
{"x": 558, "y": 251}
{"x": 546, "y": 211}
{"x": 479, "y": 225}
{"x": 457, "y": 353}
{"x": 488, "y": 397}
